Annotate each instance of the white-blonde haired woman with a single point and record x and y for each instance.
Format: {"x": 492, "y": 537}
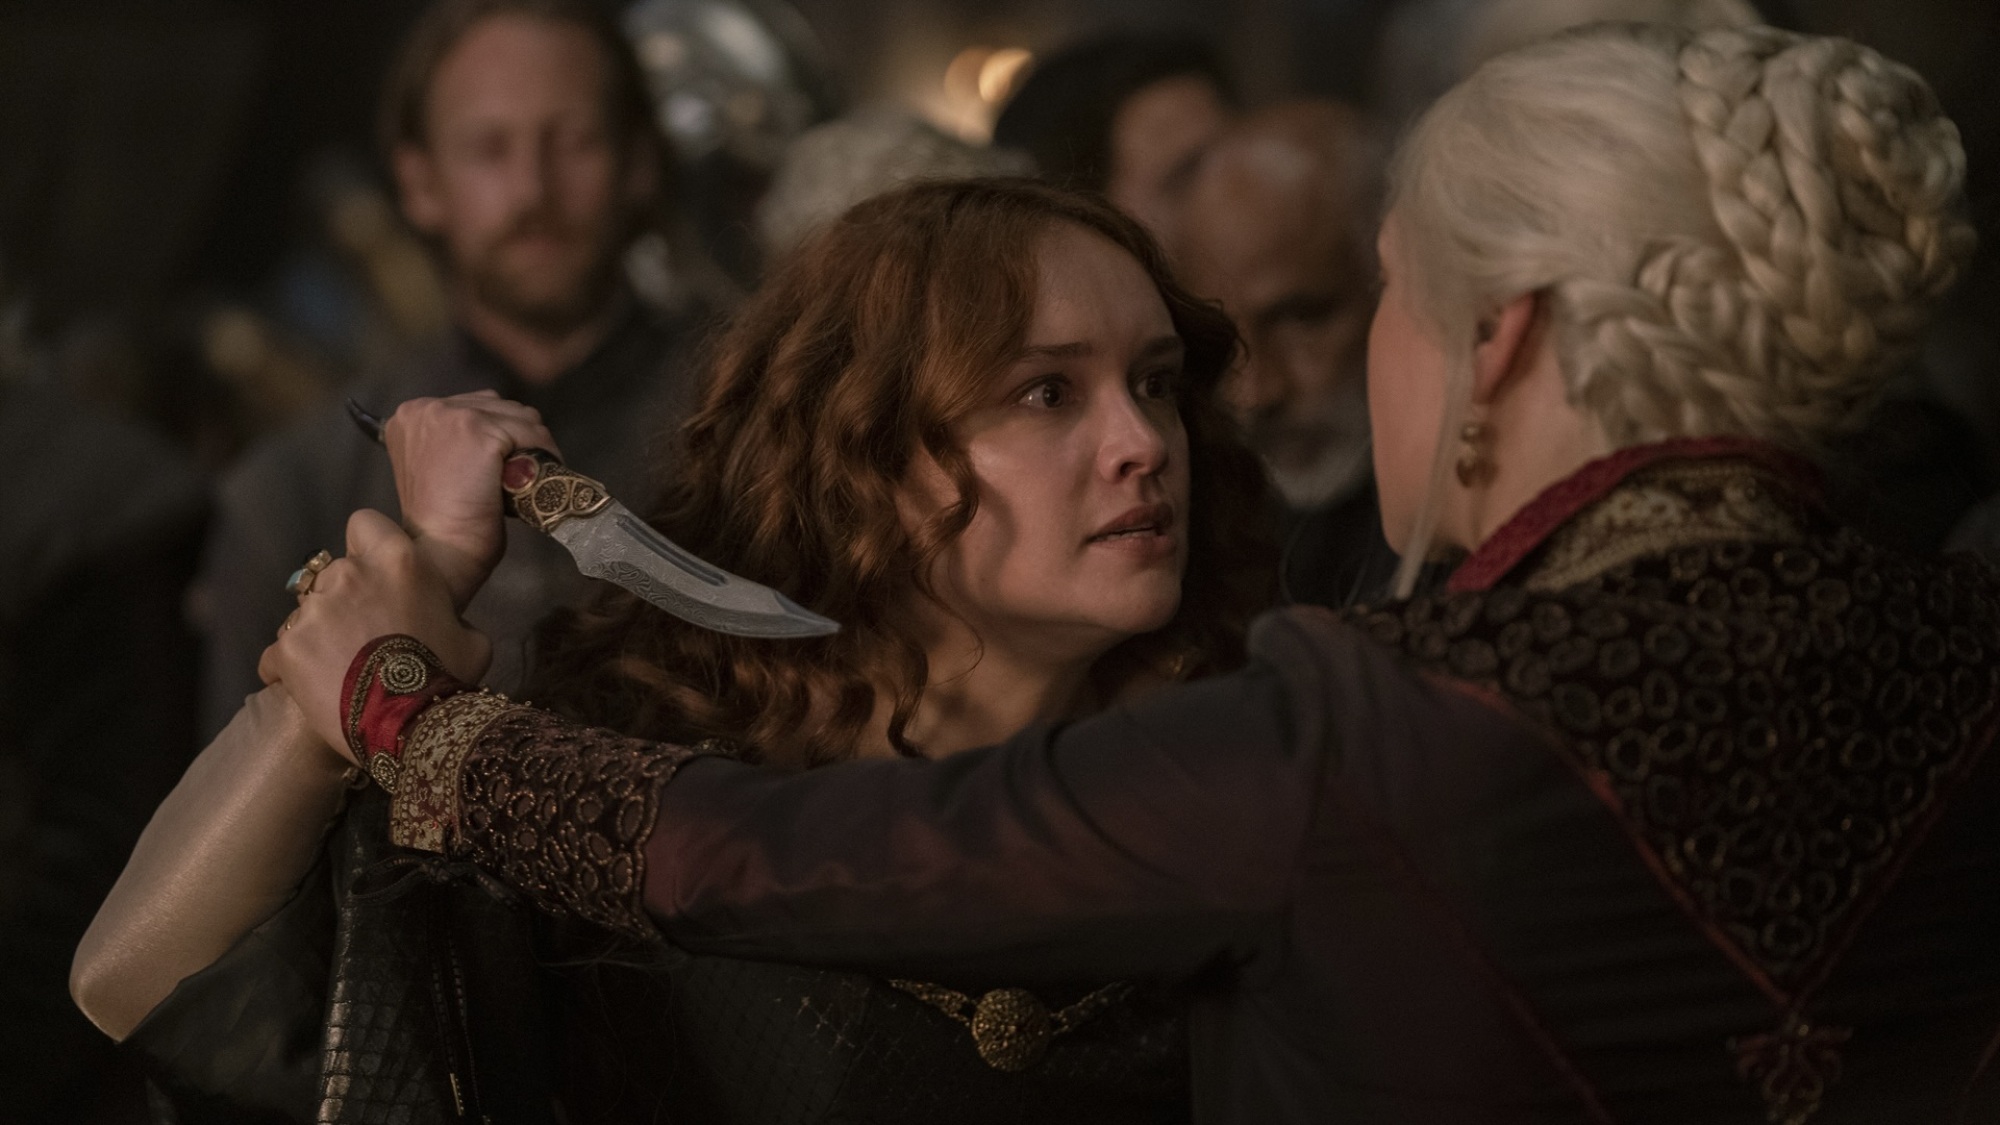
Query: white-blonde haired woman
{"x": 1677, "y": 807}
{"x": 1610, "y": 240}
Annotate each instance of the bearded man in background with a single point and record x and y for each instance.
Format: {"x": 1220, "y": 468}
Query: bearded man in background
{"x": 521, "y": 139}
{"x": 1279, "y": 227}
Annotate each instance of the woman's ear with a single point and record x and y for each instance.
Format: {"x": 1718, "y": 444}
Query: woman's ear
{"x": 1504, "y": 345}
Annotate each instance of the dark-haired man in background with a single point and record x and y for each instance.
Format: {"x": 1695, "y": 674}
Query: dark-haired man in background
{"x": 1126, "y": 115}
{"x": 521, "y": 139}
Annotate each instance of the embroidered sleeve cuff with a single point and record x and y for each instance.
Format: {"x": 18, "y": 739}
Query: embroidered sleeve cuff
{"x": 424, "y": 809}
{"x": 562, "y": 812}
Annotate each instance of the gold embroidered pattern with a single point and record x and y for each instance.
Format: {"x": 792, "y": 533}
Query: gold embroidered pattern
{"x": 382, "y": 767}
{"x": 1676, "y": 504}
{"x": 405, "y": 673}
{"x": 425, "y": 811}
{"x": 1791, "y": 1067}
{"x": 1011, "y": 1027}
{"x": 404, "y": 654}
{"x": 563, "y": 812}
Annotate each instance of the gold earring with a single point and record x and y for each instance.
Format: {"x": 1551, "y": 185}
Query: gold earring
{"x": 1475, "y": 465}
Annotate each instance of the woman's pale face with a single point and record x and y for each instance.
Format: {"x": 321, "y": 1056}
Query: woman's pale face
{"x": 1406, "y": 395}
{"x": 1080, "y": 538}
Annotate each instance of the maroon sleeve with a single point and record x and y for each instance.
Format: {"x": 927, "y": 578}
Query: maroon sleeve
{"x": 1149, "y": 841}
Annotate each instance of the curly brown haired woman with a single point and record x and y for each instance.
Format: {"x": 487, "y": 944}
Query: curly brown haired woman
{"x": 929, "y": 329}
{"x": 974, "y": 423}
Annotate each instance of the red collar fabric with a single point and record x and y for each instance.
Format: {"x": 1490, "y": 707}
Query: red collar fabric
{"x": 1557, "y": 504}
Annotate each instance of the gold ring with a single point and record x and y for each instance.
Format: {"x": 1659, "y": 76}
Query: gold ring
{"x": 301, "y": 581}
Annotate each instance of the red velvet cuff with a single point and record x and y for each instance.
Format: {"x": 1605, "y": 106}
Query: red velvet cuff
{"x": 392, "y": 680}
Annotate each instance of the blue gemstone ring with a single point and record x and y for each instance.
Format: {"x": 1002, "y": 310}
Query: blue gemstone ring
{"x": 301, "y": 581}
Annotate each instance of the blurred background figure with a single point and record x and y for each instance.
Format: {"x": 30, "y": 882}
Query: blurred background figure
{"x": 1280, "y": 226}
{"x": 97, "y": 713}
{"x": 357, "y": 283}
{"x": 1125, "y": 115}
{"x": 734, "y": 83}
{"x": 834, "y": 166}
{"x": 521, "y": 137}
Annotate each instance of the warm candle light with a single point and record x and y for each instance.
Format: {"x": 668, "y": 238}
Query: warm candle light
{"x": 999, "y": 72}
{"x": 976, "y": 81}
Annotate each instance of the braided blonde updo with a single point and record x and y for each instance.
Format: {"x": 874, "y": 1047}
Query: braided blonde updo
{"x": 1739, "y": 229}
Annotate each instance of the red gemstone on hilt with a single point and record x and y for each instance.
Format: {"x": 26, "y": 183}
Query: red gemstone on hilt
{"x": 518, "y": 473}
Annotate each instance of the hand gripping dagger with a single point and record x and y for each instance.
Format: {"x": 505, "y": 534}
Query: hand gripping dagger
{"x": 611, "y": 543}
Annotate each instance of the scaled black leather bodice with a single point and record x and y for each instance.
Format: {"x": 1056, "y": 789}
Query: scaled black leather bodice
{"x": 720, "y": 1041}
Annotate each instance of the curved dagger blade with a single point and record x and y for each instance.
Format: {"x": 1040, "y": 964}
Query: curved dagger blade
{"x": 619, "y": 547}
{"x": 613, "y": 544}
